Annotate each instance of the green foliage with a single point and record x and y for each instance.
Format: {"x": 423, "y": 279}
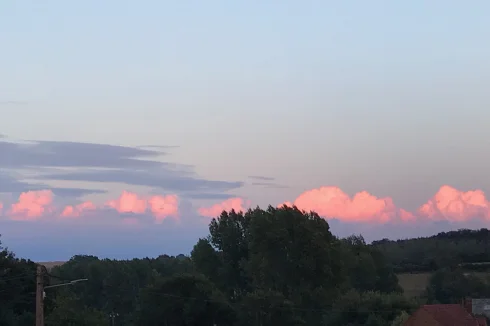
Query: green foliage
{"x": 452, "y": 285}
{"x": 400, "y": 319}
{"x": 267, "y": 308}
{"x": 446, "y": 249}
{"x": 278, "y": 266}
{"x": 368, "y": 269}
{"x": 17, "y": 285}
{"x": 185, "y": 299}
{"x": 69, "y": 311}
{"x": 208, "y": 262}
{"x": 368, "y": 308}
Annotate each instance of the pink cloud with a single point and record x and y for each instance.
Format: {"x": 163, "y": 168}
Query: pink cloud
{"x": 454, "y": 205}
{"x": 164, "y": 206}
{"x": 128, "y": 202}
{"x": 78, "y": 210}
{"x": 447, "y": 204}
{"x": 329, "y": 202}
{"x": 160, "y": 207}
{"x": 32, "y": 205}
{"x": 238, "y": 204}
{"x": 332, "y": 202}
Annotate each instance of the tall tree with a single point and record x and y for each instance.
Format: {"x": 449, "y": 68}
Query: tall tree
{"x": 229, "y": 234}
{"x": 17, "y": 288}
{"x": 295, "y": 254}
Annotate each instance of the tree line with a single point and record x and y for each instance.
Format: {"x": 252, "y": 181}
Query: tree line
{"x": 279, "y": 266}
{"x": 468, "y": 248}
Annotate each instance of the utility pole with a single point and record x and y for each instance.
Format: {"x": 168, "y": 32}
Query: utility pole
{"x": 40, "y": 296}
{"x": 41, "y": 271}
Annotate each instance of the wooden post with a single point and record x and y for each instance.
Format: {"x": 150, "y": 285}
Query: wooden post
{"x": 40, "y": 296}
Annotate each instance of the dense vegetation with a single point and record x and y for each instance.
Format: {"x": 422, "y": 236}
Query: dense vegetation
{"x": 262, "y": 267}
{"x": 446, "y": 249}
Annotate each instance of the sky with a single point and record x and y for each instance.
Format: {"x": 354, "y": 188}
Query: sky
{"x": 126, "y": 126}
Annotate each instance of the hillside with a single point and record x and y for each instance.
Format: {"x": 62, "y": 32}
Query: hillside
{"x": 50, "y": 264}
{"x": 446, "y": 249}
{"x": 415, "y": 260}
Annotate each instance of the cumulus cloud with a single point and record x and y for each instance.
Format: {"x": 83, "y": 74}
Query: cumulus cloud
{"x": 160, "y": 207}
{"x": 455, "y": 205}
{"x": 448, "y": 204}
{"x": 78, "y": 210}
{"x": 237, "y": 204}
{"x": 374, "y": 217}
{"x": 332, "y": 202}
{"x": 34, "y": 205}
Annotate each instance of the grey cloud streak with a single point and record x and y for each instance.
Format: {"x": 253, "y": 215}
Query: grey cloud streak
{"x": 73, "y": 154}
{"x": 269, "y": 185}
{"x": 259, "y": 177}
{"x": 265, "y": 182}
{"x": 9, "y": 184}
{"x": 167, "y": 180}
{"x": 104, "y": 163}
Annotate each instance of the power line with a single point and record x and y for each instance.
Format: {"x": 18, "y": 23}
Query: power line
{"x": 17, "y": 277}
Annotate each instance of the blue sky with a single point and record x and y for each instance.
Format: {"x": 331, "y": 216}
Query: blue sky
{"x": 381, "y": 96}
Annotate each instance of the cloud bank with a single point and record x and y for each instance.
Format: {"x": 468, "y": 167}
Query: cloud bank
{"x": 330, "y": 202}
{"x": 165, "y": 206}
{"x": 40, "y": 204}
{"x": 448, "y": 204}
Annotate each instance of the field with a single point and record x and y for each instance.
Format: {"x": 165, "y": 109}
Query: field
{"x": 413, "y": 284}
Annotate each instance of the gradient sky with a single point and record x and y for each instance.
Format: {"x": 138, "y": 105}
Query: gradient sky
{"x": 249, "y": 102}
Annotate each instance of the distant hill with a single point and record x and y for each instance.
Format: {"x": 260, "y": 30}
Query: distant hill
{"x": 467, "y": 248}
{"x": 51, "y": 264}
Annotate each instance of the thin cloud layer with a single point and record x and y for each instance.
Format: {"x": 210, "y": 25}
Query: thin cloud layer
{"x": 261, "y": 178}
{"x": 75, "y": 154}
{"x": 170, "y": 180}
{"x": 448, "y": 204}
{"x": 266, "y": 182}
{"x": 51, "y": 161}
{"x": 9, "y": 184}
